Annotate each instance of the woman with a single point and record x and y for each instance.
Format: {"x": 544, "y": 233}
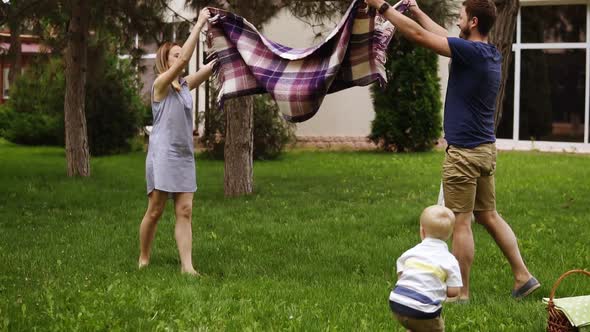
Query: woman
{"x": 170, "y": 162}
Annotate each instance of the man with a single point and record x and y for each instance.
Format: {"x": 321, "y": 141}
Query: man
{"x": 470, "y": 159}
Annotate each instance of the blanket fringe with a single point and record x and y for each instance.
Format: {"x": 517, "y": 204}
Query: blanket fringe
{"x": 383, "y": 33}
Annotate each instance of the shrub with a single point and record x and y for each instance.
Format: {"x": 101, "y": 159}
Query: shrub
{"x": 408, "y": 109}
{"x": 36, "y": 103}
{"x": 6, "y": 116}
{"x": 271, "y": 132}
{"x": 114, "y": 110}
{"x": 113, "y": 106}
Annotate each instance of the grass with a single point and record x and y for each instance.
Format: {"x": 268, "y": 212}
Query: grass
{"x": 313, "y": 249}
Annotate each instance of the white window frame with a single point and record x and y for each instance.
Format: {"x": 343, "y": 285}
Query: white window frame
{"x": 515, "y": 143}
{"x": 5, "y": 82}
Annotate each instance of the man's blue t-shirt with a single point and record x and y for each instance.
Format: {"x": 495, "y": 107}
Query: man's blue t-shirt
{"x": 474, "y": 80}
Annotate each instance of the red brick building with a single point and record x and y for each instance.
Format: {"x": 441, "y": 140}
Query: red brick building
{"x": 30, "y": 47}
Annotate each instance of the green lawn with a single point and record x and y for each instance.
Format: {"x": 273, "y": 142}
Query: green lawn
{"x": 313, "y": 249}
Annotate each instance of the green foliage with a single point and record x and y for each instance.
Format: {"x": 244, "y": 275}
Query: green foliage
{"x": 271, "y": 132}
{"x": 114, "y": 110}
{"x": 408, "y": 109}
{"x": 113, "y": 106}
{"x": 316, "y": 13}
{"x": 119, "y": 19}
{"x": 36, "y": 105}
{"x": 6, "y": 118}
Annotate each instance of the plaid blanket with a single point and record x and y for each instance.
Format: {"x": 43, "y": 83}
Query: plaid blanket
{"x": 298, "y": 79}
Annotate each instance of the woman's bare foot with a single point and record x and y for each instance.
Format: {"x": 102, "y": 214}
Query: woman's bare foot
{"x": 190, "y": 271}
{"x": 143, "y": 263}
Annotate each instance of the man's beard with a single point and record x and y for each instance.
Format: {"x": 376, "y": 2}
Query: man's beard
{"x": 464, "y": 33}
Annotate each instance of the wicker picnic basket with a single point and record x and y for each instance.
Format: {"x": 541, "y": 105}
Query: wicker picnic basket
{"x": 557, "y": 321}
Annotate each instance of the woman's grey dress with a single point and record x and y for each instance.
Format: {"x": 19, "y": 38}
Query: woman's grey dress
{"x": 170, "y": 162}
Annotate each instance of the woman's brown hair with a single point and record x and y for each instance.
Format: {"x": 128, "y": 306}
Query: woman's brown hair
{"x": 162, "y": 61}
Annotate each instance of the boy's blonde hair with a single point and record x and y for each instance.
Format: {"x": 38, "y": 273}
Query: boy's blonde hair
{"x": 437, "y": 222}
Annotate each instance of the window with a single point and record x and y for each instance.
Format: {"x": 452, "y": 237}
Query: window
{"x": 552, "y": 95}
{"x": 5, "y": 83}
{"x": 547, "y": 89}
{"x": 554, "y": 24}
{"x": 506, "y": 125}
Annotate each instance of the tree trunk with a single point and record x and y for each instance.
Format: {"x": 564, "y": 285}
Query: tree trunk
{"x": 239, "y": 146}
{"x": 77, "y": 151}
{"x": 15, "y": 52}
{"x": 502, "y": 35}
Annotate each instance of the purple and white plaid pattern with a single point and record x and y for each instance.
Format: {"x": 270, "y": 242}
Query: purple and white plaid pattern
{"x": 298, "y": 79}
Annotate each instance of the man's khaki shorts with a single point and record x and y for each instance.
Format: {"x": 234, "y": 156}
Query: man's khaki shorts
{"x": 468, "y": 178}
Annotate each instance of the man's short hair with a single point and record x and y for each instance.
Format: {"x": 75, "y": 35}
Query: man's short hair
{"x": 485, "y": 11}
